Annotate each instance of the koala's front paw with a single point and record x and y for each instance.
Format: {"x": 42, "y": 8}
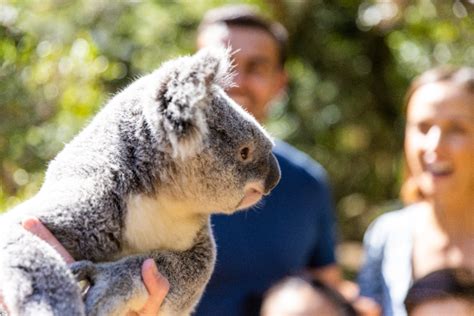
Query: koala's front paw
{"x": 83, "y": 269}
{"x": 115, "y": 287}
{"x": 83, "y": 272}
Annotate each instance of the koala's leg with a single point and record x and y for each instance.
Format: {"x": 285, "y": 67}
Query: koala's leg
{"x": 117, "y": 287}
{"x": 34, "y": 280}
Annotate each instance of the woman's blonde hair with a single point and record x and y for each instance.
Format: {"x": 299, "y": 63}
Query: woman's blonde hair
{"x": 462, "y": 77}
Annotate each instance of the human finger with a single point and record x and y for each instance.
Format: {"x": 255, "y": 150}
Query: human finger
{"x": 366, "y": 306}
{"x": 3, "y": 307}
{"x": 34, "y": 226}
{"x": 157, "y": 287}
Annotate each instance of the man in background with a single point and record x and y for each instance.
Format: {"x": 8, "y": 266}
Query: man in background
{"x": 293, "y": 229}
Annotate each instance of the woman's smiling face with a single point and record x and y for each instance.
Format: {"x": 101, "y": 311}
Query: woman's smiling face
{"x": 439, "y": 140}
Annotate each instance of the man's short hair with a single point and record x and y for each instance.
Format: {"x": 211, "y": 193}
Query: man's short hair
{"x": 247, "y": 16}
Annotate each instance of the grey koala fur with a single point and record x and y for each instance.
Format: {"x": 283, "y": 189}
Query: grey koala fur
{"x": 140, "y": 181}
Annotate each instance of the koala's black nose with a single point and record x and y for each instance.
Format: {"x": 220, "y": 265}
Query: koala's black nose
{"x": 274, "y": 174}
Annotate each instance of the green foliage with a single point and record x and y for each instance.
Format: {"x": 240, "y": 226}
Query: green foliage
{"x": 350, "y": 63}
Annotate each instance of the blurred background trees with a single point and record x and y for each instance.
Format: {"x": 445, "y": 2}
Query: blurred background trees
{"x": 350, "y": 63}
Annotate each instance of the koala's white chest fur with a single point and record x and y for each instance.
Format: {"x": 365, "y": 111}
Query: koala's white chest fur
{"x": 158, "y": 223}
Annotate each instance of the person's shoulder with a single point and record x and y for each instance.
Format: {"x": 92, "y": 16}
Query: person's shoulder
{"x": 398, "y": 216}
{"x": 296, "y": 163}
{"x": 398, "y": 220}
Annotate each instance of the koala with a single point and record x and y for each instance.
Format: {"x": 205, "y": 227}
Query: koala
{"x": 140, "y": 181}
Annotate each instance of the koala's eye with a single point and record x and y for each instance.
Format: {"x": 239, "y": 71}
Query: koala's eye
{"x": 244, "y": 153}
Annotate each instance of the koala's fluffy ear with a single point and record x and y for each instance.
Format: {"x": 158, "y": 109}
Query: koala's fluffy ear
{"x": 186, "y": 89}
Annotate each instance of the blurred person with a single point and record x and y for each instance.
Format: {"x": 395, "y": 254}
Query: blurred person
{"x": 442, "y": 292}
{"x": 300, "y": 296}
{"x": 436, "y": 228}
{"x": 156, "y": 285}
{"x": 293, "y": 229}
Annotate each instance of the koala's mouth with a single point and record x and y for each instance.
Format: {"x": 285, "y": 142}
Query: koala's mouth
{"x": 252, "y": 194}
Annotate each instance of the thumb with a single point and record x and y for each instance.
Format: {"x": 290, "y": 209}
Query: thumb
{"x": 157, "y": 286}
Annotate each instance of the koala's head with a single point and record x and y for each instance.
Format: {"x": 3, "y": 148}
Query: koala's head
{"x": 222, "y": 157}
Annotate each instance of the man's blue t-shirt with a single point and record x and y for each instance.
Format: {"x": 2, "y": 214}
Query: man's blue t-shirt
{"x": 290, "y": 230}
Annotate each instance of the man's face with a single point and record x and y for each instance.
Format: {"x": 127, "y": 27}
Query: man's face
{"x": 259, "y": 75}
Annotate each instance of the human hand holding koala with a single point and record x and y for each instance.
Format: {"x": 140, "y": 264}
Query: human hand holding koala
{"x": 156, "y": 285}
{"x": 140, "y": 181}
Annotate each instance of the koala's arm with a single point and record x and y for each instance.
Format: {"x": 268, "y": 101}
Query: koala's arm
{"x": 117, "y": 286}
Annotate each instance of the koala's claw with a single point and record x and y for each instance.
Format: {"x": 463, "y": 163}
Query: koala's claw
{"x": 83, "y": 270}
